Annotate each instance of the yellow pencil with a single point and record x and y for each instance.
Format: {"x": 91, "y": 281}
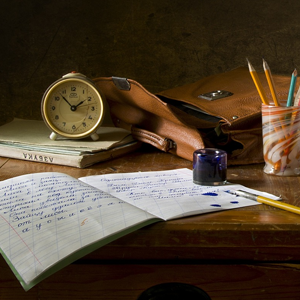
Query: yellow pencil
{"x": 274, "y": 203}
{"x": 257, "y": 84}
{"x": 270, "y": 82}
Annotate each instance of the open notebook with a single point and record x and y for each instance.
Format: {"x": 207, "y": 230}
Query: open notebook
{"x": 48, "y": 220}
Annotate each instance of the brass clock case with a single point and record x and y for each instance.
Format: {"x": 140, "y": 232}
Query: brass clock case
{"x": 73, "y": 107}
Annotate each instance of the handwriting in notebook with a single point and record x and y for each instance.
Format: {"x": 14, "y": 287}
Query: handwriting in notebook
{"x": 169, "y": 194}
{"x": 43, "y": 215}
{"x": 49, "y": 219}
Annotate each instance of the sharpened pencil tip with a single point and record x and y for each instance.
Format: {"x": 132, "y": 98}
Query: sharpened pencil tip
{"x": 251, "y": 68}
{"x": 265, "y": 65}
{"x": 230, "y": 192}
{"x": 295, "y": 73}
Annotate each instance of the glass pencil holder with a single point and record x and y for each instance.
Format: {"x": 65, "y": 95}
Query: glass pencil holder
{"x": 281, "y": 139}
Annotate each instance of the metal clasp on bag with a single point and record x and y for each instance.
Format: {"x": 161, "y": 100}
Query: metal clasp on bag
{"x": 215, "y": 95}
{"x": 121, "y": 83}
{"x": 170, "y": 144}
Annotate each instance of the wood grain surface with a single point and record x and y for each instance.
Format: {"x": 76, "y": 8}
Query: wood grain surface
{"x": 246, "y": 253}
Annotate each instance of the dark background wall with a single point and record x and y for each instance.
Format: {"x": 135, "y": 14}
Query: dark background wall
{"x": 160, "y": 43}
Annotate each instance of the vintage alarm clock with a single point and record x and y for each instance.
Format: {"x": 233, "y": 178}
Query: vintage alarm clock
{"x": 73, "y": 107}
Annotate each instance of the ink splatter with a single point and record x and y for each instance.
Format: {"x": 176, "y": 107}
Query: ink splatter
{"x": 210, "y": 194}
{"x": 215, "y": 205}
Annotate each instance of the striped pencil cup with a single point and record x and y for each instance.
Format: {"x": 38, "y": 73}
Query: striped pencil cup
{"x": 281, "y": 139}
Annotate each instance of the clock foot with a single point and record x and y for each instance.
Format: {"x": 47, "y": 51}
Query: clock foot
{"x": 94, "y": 136}
{"x": 53, "y": 136}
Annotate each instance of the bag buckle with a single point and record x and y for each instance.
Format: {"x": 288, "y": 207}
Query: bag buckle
{"x": 121, "y": 83}
{"x": 215, "y": 95}
{"x": 170, "y": 144}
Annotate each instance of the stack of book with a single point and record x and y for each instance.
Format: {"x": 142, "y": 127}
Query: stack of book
{"x": 29, "y": 140}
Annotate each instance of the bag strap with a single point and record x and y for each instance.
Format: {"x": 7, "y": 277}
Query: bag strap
{"x": 161, "y": 143}
{"x": 150, "y": 119}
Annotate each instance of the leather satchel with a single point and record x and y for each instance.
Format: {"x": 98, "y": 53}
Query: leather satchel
{"x": 221, "y": 111}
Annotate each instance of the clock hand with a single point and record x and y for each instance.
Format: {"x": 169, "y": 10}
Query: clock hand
{"x": 65, "y": 99}
{"x": 72, "y": 107}
{"x": 82, "y": 124}
{"x": 80, "y": 103}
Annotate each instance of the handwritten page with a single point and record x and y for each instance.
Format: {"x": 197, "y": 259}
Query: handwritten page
{"x": 46, "y": 217}
{"x": 48, "y": 220}
{"x": 170, "y": 194}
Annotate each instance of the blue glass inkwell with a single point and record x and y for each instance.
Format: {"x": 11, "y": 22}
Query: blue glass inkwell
{"x": 210, "y": 166}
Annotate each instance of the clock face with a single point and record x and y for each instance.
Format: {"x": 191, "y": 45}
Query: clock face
{"x": 73, "y": 108}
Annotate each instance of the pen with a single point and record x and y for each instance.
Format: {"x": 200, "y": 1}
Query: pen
{"x": 292, "y": 88}
{"x": 268, "y": 201}
{"x": 297, "y": 98}
{"x": 270, "y": 82}
{"x": 257, "y": 84}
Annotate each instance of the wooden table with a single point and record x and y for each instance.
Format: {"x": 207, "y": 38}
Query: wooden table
{"x": 246, "y": 253}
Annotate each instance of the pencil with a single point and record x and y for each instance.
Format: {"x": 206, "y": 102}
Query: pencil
{"x": 257, "y": 84}
{"x": 270, "y": 82}
{"x": 265, "y": 200}
{"x": 297, "y": 98}
{"x": 292, "y": 89}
